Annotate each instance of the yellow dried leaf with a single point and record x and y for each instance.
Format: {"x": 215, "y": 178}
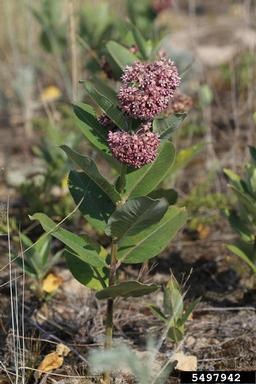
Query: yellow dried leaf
{"x": 50, "y": 362}
{"x": 62, "y": 350}
{"x": 51, "y": 283}
{"x": 50, "y": 93}
{"x": 53, "y": 360}
{"x": 203, "y": 231}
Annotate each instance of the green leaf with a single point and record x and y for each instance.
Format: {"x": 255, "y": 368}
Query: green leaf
{"x": 168, "y": 194}
{"x": 246, "y": 200}
{"x": 42, "y": 250}
{"x": 134, "y": 216}
{"x": 107, "y": 106}
{"x": 153, "y": 240}
{"x": 144, "y": 180}
{"x": 90, "y": 127}
{"x": 158, "y": 313}
{"x": 96, "y": 205}
{"x": 140, "y": 41}
{"x": 239, "y": 225}
{"x": 126, "y": 289}
{"x": 240, "y": 253}
{"x": 234, "y": 179}
{"x": 26, "y": 242}
{"x": 91, "y": 170}
{"x": 253, "y": 153}
{"x": 26, "y": 267}
{"x": 120, "y": 54}
{"x": 175, "y": 334}
{"x": 28, "y": 248}
{"x": 31, "y": 258}
{"x": 173, "y": 299}
{"x": 103, "y": 89}
{"x": 30, "y": 264}
{"x": 80, "y": 245}
{"x": 165, "y": 127}
{"x": 84, "y": 273}
{"x": 188, "y": 312}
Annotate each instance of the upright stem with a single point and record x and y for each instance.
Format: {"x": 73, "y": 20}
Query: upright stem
{"x": 120, "y": 186}
{"x": 112, "y": 276}
{"x": 110, "y": 306}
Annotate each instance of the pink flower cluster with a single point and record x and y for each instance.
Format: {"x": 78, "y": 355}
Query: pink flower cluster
{"x": 147, "y": 88}
{"x": 134, "y": 149}
{"x": 180, "y": 103}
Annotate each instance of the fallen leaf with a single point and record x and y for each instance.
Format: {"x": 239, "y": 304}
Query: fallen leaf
{"x": 185, "y": 362}
{"x": 50, "y": 93}
{"x": 51, "y": 283}
{"x": 50, "y": 362}
{"x": 203, "y": 231}
{"x": 62, "y": 350}
{"x": 53, "y": 360}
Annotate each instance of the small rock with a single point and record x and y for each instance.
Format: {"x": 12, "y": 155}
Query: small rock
{"x": 190, "y": 341}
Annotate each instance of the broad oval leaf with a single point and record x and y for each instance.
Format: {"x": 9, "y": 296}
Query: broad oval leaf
{"x": 169, "y": 195}
{"x": 126, "y": 289}
{"x": 240, "y": 225}
{"x": 166, "y": 126}
{"x": 103, "y": 89}
{"x": 134, "y": 216}
{"x": 144, "y": 180}
{"x": 120, "y": 54}
{"x": 84, "y": 273}
{"x": 90, "y": 127}
{"x": 152, "y": 241}
{"x": 91, "y": 170}
{"x": 240, "y": 253}
{"x": 80, "y": 245}
{"x": 107, "y": 106}
{"x": 96, "y": 205}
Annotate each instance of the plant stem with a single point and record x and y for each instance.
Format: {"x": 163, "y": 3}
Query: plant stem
{"x": 110, "y": 306}
{"x": 120, "y": 186}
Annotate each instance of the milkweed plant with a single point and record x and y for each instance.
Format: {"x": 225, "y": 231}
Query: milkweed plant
{"x": 133, "y": 133}
{"x": 242, "y": 218}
